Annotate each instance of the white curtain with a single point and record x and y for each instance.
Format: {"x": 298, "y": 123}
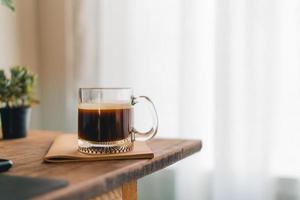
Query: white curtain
{"x": 257, "y": 100}
{"x": 224, "y": 71}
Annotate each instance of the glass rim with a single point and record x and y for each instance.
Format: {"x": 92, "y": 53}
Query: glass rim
{"x": 105, "y": 88}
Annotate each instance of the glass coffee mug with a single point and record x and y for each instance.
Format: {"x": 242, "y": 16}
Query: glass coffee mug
{"x": 105, "y": 120}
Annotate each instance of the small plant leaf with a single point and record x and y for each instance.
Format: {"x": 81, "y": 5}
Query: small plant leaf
{"x": 9, "y": 4}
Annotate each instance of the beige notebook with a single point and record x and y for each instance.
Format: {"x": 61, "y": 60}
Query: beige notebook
{"x": 64, "y": 149}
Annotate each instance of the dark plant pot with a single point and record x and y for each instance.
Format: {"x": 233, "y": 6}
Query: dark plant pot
{"x": 15, "y": 122}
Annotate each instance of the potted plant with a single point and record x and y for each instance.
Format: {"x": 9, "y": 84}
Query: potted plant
{"x": 16, "y": 98}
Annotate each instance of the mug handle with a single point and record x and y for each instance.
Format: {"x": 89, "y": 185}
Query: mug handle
{"x": 140, "y": 136}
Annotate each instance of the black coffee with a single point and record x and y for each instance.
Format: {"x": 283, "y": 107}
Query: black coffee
{"x": 104, "y": 123}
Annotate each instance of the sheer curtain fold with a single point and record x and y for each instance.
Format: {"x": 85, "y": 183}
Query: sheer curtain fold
{"x": 247, "y": 57}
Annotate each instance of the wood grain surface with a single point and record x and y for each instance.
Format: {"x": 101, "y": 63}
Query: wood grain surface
{"x": 129, "y": 190}
{"x": 89, "y": 179}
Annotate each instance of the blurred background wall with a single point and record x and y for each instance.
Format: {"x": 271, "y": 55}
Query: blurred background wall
{"x": 226, "y": 72}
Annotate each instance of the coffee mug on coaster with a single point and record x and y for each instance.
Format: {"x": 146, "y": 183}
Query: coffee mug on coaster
{"x": 105, "y": 120}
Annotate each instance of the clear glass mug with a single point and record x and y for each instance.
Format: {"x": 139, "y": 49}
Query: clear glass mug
{"x": 105, "y": 120}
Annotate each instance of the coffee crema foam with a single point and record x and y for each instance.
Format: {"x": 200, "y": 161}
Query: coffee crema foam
{"x": 104, "y": 106}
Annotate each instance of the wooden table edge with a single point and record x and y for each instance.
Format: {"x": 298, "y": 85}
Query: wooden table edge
{"x": 95, "y": 187}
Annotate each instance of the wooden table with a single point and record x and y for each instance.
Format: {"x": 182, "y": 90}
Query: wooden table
{"x": 91, "y": 180}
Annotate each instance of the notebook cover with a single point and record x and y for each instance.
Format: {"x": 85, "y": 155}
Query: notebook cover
{"x": 64, "y": 149}
{"x": 19, "y": 187}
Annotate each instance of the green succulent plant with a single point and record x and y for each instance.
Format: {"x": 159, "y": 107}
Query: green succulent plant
{"x": 17, "y": 91}
{"x": 8, "y": 3}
